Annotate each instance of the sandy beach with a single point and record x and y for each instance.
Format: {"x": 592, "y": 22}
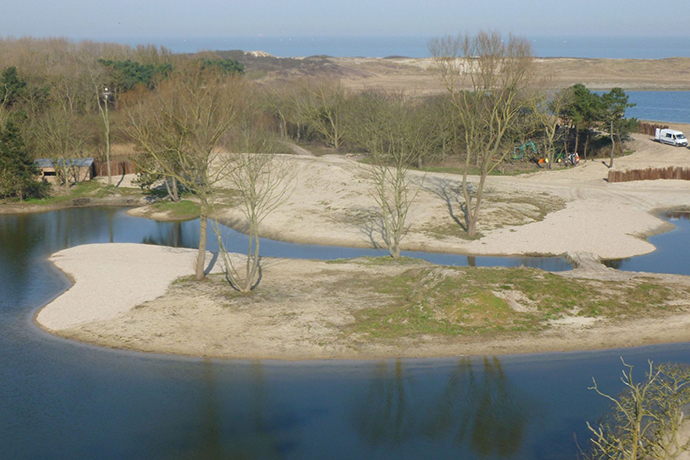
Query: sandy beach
{"x": 297, "y": 312}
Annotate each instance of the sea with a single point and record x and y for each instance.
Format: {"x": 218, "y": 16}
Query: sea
{"x": 663, "y": 106}
{"x": 617, "y": 47}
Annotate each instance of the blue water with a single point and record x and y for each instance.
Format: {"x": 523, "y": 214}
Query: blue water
{"x": 417, "y": 46}
{"x": 672, "y": 250}
{"x": 660, "y": 106}
{"x": 64, "y": 400}
{"x": 664, "y": 106}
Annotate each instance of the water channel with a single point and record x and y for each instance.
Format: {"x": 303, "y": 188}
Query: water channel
{"x": 64, "y": 400}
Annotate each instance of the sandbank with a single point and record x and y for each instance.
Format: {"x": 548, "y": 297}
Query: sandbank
{"x": 122, "y": 298}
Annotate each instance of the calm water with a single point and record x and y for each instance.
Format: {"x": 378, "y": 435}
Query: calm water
{"x": 672, "y": 253}
{"x": 64, "y": 400}
{"x": 669, "y": 106}
{"x": 634, "y": 47}
{"x": 661, "y": 106}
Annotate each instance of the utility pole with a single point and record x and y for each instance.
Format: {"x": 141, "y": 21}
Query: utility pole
{"x": 106, "y": 120}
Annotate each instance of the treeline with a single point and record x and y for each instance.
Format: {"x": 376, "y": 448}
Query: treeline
{"x": 325, "y": 112}
{"x": 61, "y": 100}
{"x": 70, "y": 100}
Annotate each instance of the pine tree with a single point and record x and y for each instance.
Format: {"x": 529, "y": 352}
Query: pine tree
{"x": 12, "y": 87}
{"x": 17, "y": 170}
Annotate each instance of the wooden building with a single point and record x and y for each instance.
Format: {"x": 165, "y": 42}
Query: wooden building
{"x": 77, "y": 169}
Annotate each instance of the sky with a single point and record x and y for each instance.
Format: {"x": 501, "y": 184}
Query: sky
{"x": 151, "y": 19}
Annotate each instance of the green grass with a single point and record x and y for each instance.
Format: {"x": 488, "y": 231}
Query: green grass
{"x": 183, "y": 209}
{"x": 384, "y": 260}
{"x": 88, "y": 189}
{"x": 463, "y": 301}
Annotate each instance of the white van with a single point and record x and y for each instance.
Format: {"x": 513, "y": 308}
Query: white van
{"x": 671, "y": 137}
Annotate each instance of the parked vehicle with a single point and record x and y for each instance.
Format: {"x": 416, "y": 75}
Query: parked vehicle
{"x": 671, "y": 137}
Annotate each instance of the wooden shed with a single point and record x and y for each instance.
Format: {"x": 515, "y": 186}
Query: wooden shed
{"x": 78, "y": 169}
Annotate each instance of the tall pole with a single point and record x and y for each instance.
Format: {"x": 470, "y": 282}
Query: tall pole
{"x": 106, "y": 119}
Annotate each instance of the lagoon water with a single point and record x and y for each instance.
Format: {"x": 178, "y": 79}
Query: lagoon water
{"x": 669, "y": 106}
{"x": 65, "y": 400}
{"x": 672, "y": 250}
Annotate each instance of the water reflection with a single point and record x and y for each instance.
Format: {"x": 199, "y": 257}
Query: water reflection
{"x": 175, "y": 234}
{"x": 476, "y": 408}
{"x": 678, "y": 215}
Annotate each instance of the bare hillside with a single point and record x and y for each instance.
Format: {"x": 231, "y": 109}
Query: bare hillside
{"x": 419, "y": 76}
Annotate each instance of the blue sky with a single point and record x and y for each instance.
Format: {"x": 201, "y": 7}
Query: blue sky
{"x": 98, "y": 19}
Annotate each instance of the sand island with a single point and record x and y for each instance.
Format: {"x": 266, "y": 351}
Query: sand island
{"x": 332, "y": 310}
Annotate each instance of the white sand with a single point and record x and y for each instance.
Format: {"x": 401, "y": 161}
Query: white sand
{"x": 331, "y": 205}
{"x": 110, "y": 279}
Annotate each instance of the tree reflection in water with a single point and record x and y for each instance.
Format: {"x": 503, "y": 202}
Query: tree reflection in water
{"x": 175, "y": 234}
{"x": 475, "y": 409}
{"x": 236, "y": 424}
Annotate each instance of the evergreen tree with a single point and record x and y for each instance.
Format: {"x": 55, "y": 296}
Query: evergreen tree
{"x": 227, "y": 66}
{"x": 11, "y": 87}
{"x": 614, "y": 104}
{"x": 126, "y": 75}
{"x": 17, "y": 170}
{"x": 584, "y": 111}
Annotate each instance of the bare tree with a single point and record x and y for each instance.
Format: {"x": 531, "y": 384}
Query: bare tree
{"x": 484, "y": 76}
{"x": 262, "y": 182}
{"x": 646, "y": 419}
{"x": 186, "y": 118}
{"x": 322, "y": 104}
{"x": 390, "y": 127}
{"x": 59, "y": 136}
{"x": 547, "y": 111}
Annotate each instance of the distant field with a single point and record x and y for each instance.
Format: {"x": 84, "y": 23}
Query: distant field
{"x": 417, "y": 75}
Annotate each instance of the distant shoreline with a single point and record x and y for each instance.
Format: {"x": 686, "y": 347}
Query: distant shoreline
{"x": 556, "y": 46}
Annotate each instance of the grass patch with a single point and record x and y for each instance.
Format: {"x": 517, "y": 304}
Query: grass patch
{"x": 183, "y": 209}
{"x": 498, "y": 211}
{"x": 380, "y": 261}
{"x": 87, "y": 189}
{"x": 464, "y": 301}
{"x": 442, "y": 229}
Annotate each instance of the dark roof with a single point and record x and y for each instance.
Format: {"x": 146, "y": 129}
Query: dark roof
{"x": 78, "y": 162}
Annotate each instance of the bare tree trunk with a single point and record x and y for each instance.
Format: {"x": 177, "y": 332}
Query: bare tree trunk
{"x": 613, "y": 146}
{"x": 201, "y": 256}
{"x": 171, "y": 188}
{"x": 175, "y": 190}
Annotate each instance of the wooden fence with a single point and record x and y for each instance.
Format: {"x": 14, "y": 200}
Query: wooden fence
{"x": 672, "y": 172}
{"x": 650, "y": 128}
{"x": 119, "y": 165}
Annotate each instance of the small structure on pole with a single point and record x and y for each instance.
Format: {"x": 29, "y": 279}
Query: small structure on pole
{"x": 106, "y": 120}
